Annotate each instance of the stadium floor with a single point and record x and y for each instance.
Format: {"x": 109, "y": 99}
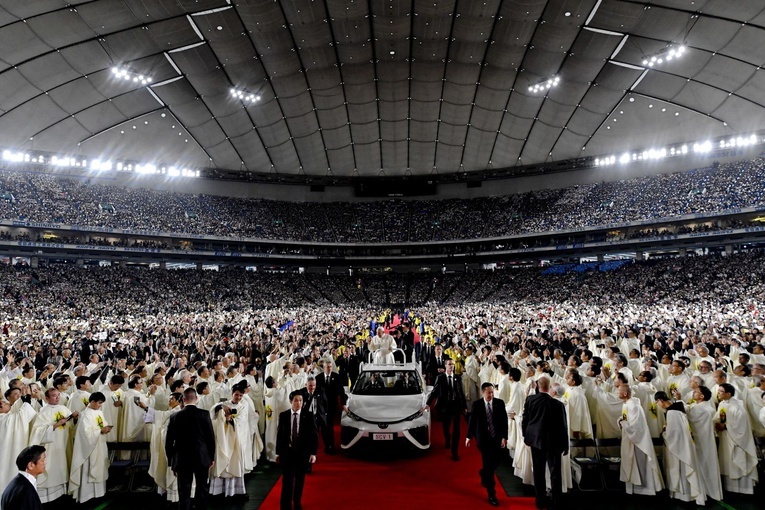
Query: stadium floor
{"x": 261, "y": 483}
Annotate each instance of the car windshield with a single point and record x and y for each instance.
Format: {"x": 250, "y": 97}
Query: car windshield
{"x": 387, "y": 382}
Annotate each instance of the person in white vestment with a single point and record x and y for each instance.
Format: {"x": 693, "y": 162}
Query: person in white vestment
{"x": 51, "y": 428}
{"x": 15, "y": 417}
{"x": 684, "y": 481}
{"x": 135, "y": 403}
{"x": 470, "y": 379}
{"x": 514, "y": 408}
{"x": 736, "y": 450}
{"x": 277, "y": 400}
{"x": 381, "y": 346}
{"x": 159, "y": 469}
{"x": 639, "y": 467}
{"x": 113, "y": 405}
{"x": 700, "y": 415}
{"x": 81, "y": 395}
{"x": 232, "y": 432}
{"x": 90, "y": 457}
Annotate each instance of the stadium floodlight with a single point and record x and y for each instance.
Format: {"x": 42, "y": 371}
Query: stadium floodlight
{"x": 244, "y": 95}
{"x": 128, "y": 74}
{"x": 546, "y": 84}
{"x": 666, "y": 54}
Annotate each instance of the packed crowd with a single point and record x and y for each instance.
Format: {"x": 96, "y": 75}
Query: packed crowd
{"x": 41, "y": 197}
{"x": 113, "y": 347}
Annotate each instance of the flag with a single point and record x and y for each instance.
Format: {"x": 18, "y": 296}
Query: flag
{"x": 285, "y": 326}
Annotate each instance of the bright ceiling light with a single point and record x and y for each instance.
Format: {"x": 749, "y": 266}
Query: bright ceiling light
{"x": 244, "y": 95}
{"x": 128, "y": 74}
{"x": 547, "y": 84}
{"x": 664, "y": 55}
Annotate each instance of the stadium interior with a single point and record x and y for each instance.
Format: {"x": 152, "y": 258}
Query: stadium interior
{"x": 286, "y": 175}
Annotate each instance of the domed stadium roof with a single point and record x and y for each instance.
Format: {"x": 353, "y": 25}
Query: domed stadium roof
{"x": 375, "y": 87}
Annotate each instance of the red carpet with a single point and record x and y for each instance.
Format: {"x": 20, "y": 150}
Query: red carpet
{"x": 430, "y": 481}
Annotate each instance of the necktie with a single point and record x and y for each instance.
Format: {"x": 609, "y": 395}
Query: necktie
{"x": 451, "y": 388}
{"x": 294, "y": 438}
{"x": 490, "y": 419}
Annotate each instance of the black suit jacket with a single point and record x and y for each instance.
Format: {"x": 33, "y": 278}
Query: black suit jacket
{"x": 333, "y": 389}
{"x": 190, "y": 443}
{"x": 20, "y": 495}
{"x": 321, "y": 403}
{"x": 442, "y": 394}
{"x": 308, "y": 438}
{"x": 544, "y": 424}
{"x": 478, "y": 426}
{"x": 433, "y": 365}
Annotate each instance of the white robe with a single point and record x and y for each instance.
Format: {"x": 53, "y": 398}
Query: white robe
{"x": 684, "y": 481}
{"x": 382, "y": 349}
{"x": 471, "y": 380}
{"x": 754, "y": 404}
{"x": 277, "y": 400}
{"x": 227, "y": 475}
{"x": 133, "y": 425}
{"x": 738, "y": 461}
{"x": 158, "y": 467}
{"x": 90, "y": 458}
{"x": 639, "y": 469}
{"x": 51, "y": 484}
{"x": 14, "y": 434}
{"x": 654, "y": 414}
{"x": 700, "y": 416}
{"x": 112, "y": 413}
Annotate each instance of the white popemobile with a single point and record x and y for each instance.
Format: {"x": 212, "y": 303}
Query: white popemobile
{"x": 386, "y": 407}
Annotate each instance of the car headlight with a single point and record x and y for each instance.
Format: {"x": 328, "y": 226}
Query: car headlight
{"x": 415, "y": 415}
{"x": 354, "y": 415}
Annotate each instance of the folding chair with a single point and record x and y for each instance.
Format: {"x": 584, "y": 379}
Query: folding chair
{"x": 586, "y": 463}
{"x": 118, "y": 467}
{"x": 609, "y": 463}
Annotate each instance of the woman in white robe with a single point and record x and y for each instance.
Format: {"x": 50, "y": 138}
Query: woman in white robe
{"x": 90, "y": 458}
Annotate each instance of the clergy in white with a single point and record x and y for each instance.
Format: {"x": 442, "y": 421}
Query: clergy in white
{"x": 231, "y": 435}
{"x": 639, "y": 468}
{"x": 158, "y": 467}
{"x": 51, "y": 428}
{"x": 382, "y": 345}
{"x": 700, "y": 415}
{"x": 738, "y": 461}
{"x": 90, "y": 458}
{"x": 684, "y": 481}
{"x": 15, "y": 417}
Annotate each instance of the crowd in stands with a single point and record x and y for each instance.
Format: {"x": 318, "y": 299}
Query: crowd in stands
{"x": 39, "y": 197}
{"x": 686, "y": 322}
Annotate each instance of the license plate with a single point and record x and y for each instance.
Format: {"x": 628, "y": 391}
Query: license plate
{"x": 382, "y": 437}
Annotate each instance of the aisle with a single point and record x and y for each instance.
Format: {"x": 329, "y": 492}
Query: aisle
{"x": 432, "y": 480}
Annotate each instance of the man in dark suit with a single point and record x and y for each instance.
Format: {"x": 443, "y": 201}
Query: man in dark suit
{"x": 450, "y": 404}
{"x": 315, "y": 401}
{"x": 190, "y": 450}
{"x": 21, "y": 493}
{"x": 348, "y": 366}
{"x": 436, "y": 364}
{"x": 333, "y": 388}
{"x": 488, "y": 425}
{"x": 296, "y": 444}
{"x": 545, "y": 430}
